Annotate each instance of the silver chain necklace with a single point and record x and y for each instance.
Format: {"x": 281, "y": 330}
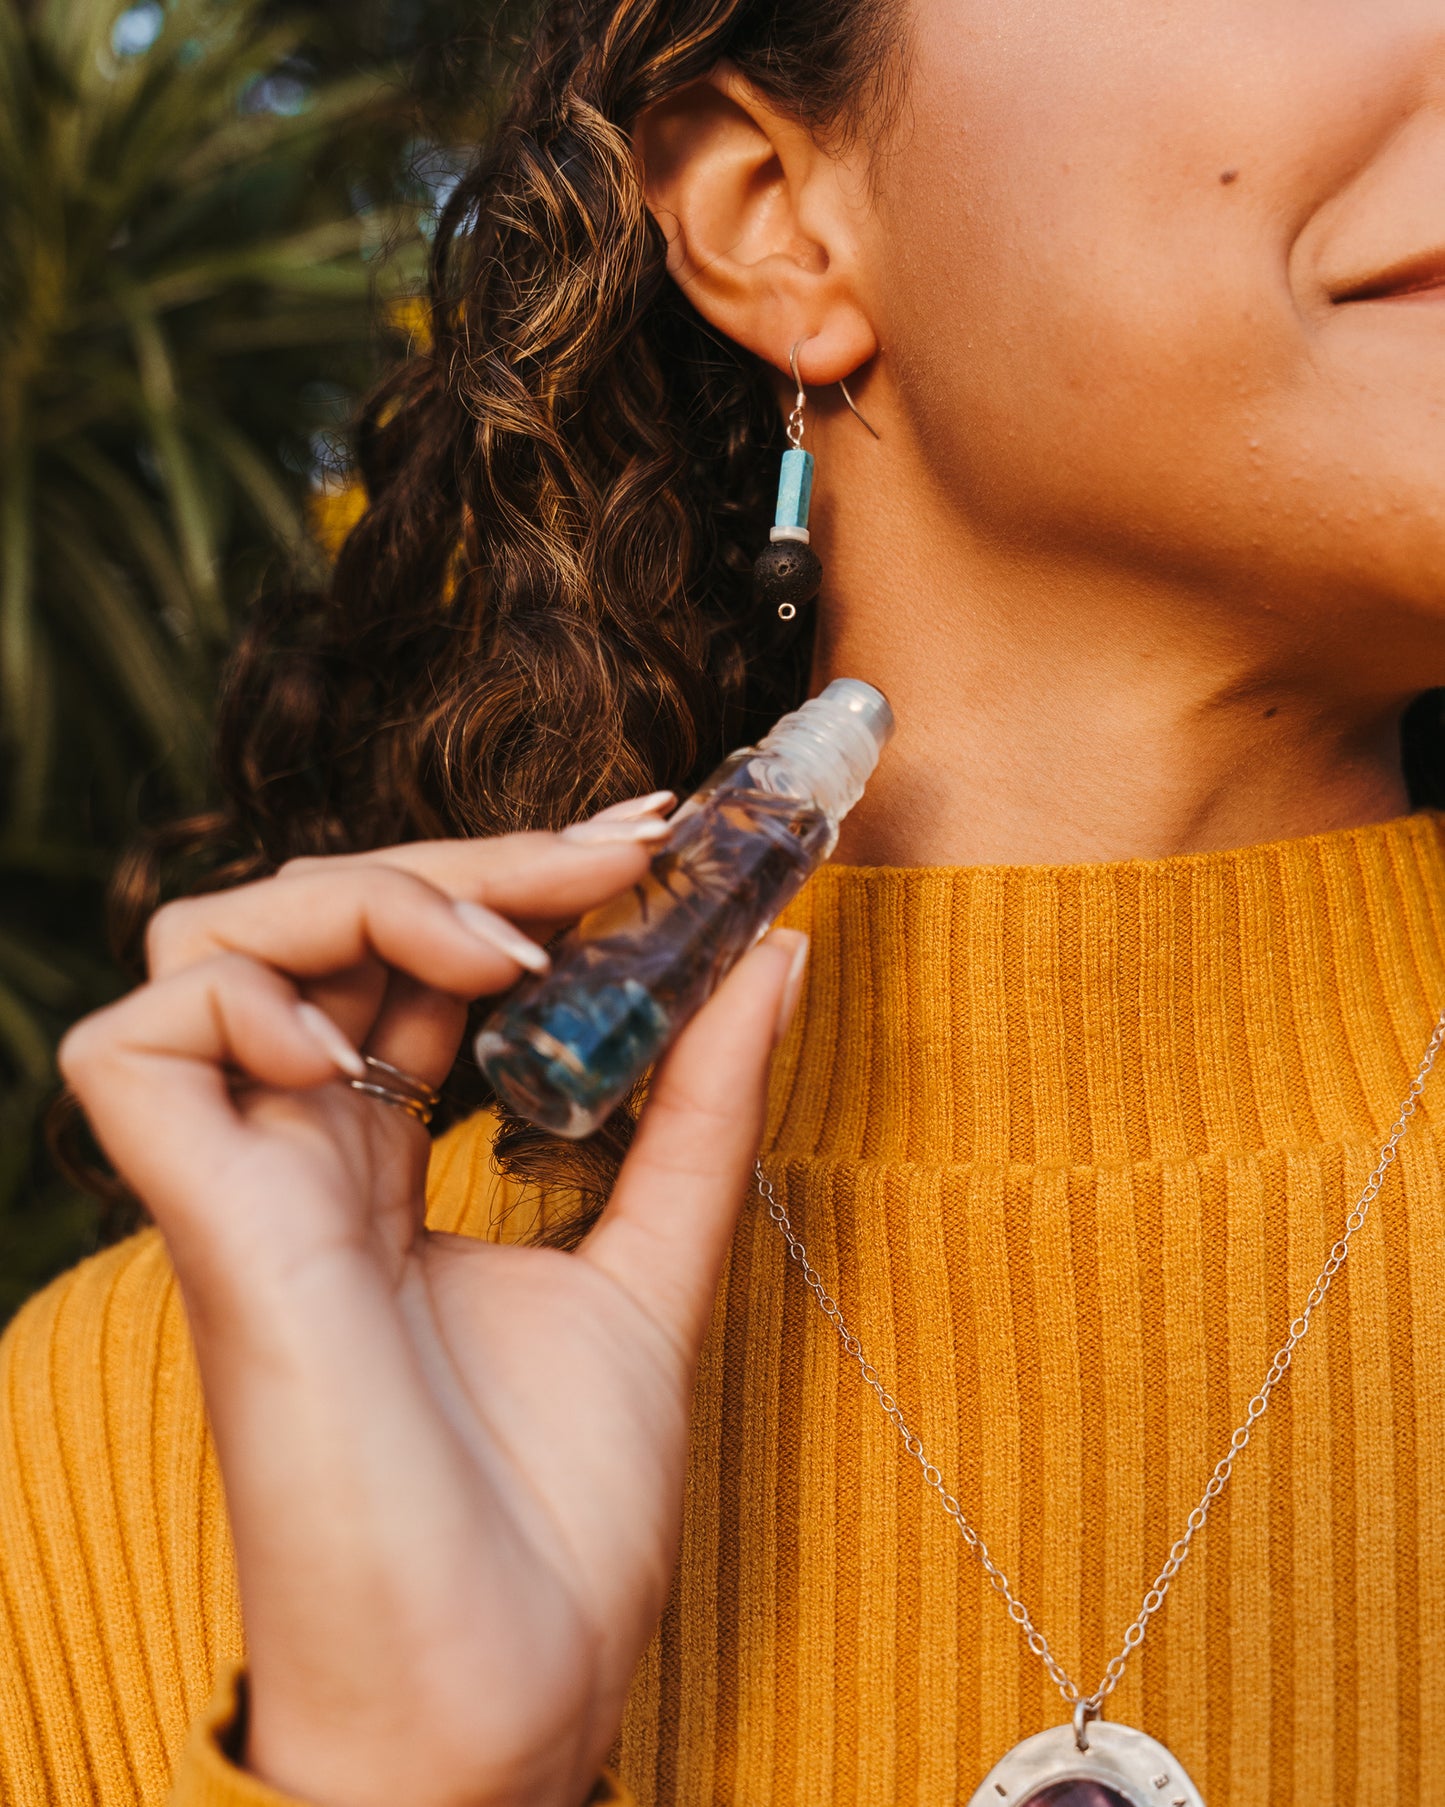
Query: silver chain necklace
{"x": 1121, "y": 1761}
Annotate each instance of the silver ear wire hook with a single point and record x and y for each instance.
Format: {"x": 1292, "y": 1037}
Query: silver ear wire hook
{"x": 854, "y": 406}
{"x": 795, "y": 419}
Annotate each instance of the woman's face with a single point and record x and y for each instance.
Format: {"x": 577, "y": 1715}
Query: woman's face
{"x": 1165, "y": 280}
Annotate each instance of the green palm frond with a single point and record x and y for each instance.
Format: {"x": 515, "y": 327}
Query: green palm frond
{"x": 192, "y": 217}
{"x": 147, "y": 203}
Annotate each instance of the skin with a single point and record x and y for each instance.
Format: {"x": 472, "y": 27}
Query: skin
{"x": 1147, "y": 557}
{"x": 453, "y": 1469}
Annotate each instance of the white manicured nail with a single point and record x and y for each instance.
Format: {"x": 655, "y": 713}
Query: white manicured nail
{"x": 502, "y": 935}
{"x": 650, "y": 805}
{"x": 600, "y": 829}
{"x": 326, "y": 1035}
{"x": 793, "y": 988}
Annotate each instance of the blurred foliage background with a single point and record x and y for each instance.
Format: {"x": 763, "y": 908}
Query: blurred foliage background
{"x": 211, "y": 212}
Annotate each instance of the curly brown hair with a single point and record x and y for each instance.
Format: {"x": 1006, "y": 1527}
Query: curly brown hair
{"x": 547, "y": 604}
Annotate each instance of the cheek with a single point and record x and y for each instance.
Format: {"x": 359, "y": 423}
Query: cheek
{"x": 1102, "y": 342}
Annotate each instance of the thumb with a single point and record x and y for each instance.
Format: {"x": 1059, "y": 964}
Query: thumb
{"x": 672, "y": 1213}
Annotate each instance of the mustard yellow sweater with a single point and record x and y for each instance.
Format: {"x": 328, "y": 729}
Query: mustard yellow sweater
{"x": 1070, "y": 1145}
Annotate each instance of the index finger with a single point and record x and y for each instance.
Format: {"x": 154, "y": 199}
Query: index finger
{"x": 533, "y": 876}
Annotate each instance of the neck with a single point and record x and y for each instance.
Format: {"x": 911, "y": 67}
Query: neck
{"x": 1056, "y": 755}
{"x": 1052, "y": 713}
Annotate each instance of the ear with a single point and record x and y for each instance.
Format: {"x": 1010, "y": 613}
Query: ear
{"x": 762, "y": 225}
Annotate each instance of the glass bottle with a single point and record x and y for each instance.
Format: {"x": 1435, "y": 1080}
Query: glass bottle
{"x": 564, "y": 1048}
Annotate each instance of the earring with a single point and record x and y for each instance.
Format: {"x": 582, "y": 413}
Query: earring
{"x": 788, "y": 572}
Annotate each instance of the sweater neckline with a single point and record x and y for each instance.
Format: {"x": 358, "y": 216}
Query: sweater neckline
{"x": 1199, "y": 1006}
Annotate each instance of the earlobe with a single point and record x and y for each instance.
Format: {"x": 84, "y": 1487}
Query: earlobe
{"x": 761, "y": 235}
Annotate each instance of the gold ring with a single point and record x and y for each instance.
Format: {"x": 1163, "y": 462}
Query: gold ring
{"x": 403, "y": 1090}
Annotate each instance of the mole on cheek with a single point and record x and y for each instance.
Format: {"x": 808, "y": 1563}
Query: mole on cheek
{"x": 1230, "y": 175}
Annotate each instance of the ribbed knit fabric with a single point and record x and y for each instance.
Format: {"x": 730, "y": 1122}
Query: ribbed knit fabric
{"x": 1069, "y": 1145}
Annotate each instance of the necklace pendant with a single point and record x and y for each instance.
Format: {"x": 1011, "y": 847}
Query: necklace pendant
{"x": 1117, "y": 1767}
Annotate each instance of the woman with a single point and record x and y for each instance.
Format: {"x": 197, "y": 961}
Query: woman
{"x": 1129, "y": 958}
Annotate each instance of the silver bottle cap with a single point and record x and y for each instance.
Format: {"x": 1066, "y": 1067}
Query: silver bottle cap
{"x": 867, "y": 703}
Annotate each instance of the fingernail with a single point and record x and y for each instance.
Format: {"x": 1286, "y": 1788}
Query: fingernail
{"x": 793, "y": 988}
{"x": 652, "y": 804}
{"x": 600, "y": 829}
{"x": 502, "y": 935}
{"x": 326, "y": 1035}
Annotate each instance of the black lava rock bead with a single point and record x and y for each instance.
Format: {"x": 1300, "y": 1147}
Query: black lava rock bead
{"x": 787, "y": 573}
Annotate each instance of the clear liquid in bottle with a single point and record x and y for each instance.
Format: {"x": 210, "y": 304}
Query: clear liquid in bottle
{"x": 565, "y": 1047}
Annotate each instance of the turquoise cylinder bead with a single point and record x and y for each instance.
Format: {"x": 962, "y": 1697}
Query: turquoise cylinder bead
{"x": 795, "y": 488}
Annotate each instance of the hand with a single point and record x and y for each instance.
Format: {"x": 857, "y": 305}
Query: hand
{"x": 453, "y": 1469}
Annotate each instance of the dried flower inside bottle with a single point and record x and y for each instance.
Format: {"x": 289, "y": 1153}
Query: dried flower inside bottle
{"x": 565, "y": 1048}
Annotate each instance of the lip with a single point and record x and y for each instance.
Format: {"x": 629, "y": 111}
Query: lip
{"x": 1420, "y": 278}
